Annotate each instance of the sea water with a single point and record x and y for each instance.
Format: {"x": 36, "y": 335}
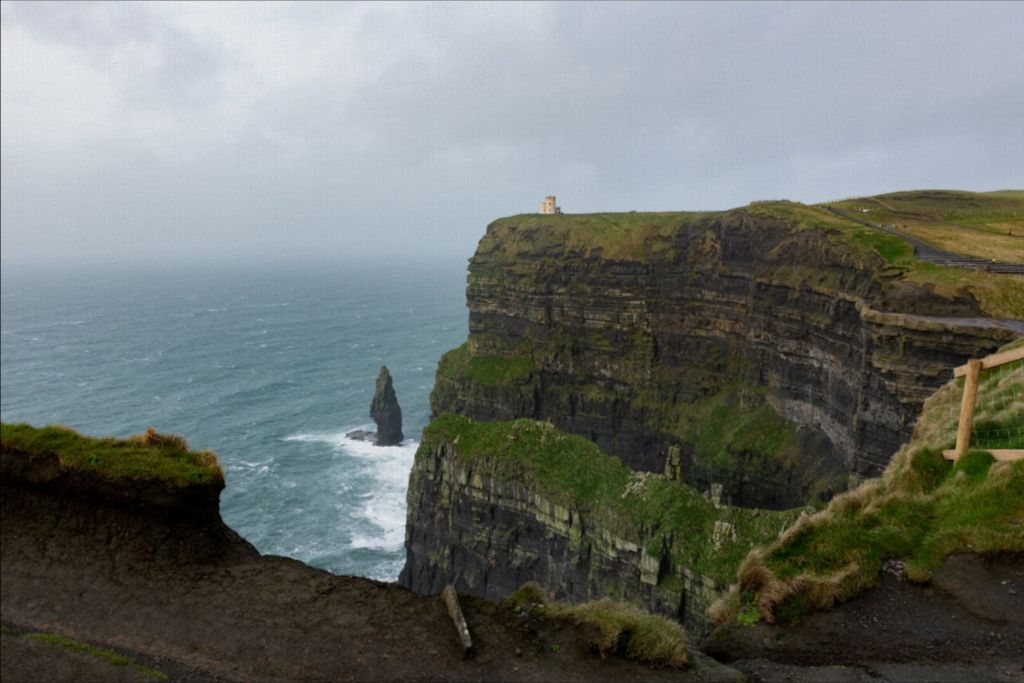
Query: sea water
{"x": 268, "y": 367}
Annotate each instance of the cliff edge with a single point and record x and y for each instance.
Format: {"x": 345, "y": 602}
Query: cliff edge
{"x": 116, "y": 565}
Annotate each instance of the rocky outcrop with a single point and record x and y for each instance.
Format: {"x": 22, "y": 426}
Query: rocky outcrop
{"x": 385, "y": 411}
{"x": 776, "y": 360}
{"x": 157, "y": 519}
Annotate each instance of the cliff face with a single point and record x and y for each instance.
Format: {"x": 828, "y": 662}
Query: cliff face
{"x": 746, "y": 359}
{"x": 755, "y": 352}
{"x": 492, "y": 506}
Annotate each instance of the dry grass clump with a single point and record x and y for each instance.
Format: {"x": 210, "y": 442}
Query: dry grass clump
{"x": 151, "y": 437}
{"x": 613, "y": 627}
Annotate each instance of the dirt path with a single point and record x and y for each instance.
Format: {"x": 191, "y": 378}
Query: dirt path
{"x": 967, "y": 625}
{"x": 197, "y": 602}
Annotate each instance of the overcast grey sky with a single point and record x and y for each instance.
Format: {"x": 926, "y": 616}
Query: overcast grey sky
{"x": 261, "y": 132}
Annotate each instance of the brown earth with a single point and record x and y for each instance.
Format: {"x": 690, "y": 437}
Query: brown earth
{"x": 178, "y": 591}
{"x": 967, "y": 624}
{"x": 173, "y": 589}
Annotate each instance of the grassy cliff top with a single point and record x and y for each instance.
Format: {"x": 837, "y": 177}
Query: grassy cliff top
{"x": 573, "y": 472}
{"x": 922, "y": 509}
{"x": 148, "y": 456}
{"x": 987, "y": 225}
{"x": 627, "y": 236}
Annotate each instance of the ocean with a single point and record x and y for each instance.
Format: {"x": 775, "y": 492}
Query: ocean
{"x": 268, "y": 367}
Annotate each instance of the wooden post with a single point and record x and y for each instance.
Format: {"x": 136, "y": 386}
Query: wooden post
{"x": 963, "y": 434}
{"x": 451, "y": 599}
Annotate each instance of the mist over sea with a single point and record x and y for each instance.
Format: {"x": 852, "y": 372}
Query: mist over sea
{"x": 268, "y": 367}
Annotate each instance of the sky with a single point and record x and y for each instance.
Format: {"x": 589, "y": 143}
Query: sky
{"x": 391, "y": 133}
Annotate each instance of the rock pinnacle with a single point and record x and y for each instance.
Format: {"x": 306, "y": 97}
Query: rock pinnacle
{"x": 385, "y": 411}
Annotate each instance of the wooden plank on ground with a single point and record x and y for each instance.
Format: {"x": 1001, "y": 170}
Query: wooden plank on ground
{"x": 451, "y": 599}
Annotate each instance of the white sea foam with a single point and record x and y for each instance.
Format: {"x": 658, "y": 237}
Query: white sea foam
{"x": 383, "y": 502}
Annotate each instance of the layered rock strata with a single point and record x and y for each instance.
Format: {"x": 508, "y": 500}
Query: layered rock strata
{"x": 637, "y": 347}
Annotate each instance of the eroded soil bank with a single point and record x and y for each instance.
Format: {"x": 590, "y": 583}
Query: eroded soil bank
{"x": 966, "y": 625}
{"x": 188, "y": 597}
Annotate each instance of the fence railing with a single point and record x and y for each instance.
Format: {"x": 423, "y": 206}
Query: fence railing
{"x": 972, "y": 372}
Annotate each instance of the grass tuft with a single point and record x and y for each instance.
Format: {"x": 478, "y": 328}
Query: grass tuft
{"x": 613, "y": 627}
{"x": 150, "y": 455}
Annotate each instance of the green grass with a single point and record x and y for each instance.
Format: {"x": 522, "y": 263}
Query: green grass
{"x": 624, "y": 236}
{"x": 573, "y": 472}
{"x": 147, "y": 456}
{"x": 486, "y": 370}
{"x": 957, "y": 205}
{"x": 614, "y": 627}
{"x": 922, "y": 509}
{"x": 722, "y": 424}
{"x": 891, "y": 248}
{"x": 93, "y": 651}
{"x": 569, "y": 469}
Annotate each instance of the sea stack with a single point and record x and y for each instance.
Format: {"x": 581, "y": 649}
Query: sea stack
{"x": 385, "y": 411}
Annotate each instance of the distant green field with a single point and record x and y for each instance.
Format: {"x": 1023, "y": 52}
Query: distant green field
{"x": 987, "y": 225}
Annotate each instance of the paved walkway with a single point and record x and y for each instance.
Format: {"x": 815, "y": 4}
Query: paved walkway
{"x": 926, "y": 252}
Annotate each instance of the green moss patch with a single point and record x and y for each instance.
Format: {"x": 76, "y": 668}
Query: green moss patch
{"x": 485, "y": 370}
{"x": 97, "y": 652}
{"x": 148, "y": 456}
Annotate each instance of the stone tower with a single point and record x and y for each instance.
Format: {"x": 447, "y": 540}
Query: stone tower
{"x": 549, "y": 206}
